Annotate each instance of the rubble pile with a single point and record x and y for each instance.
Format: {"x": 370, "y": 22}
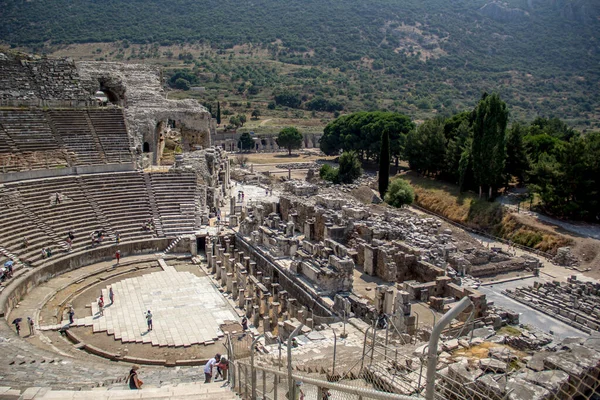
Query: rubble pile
{"x": 575, "y": 303}
{"x": 565, "y": 258}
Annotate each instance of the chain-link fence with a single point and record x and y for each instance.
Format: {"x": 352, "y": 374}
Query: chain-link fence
{"x": 384, "y": 364}
{"x": 270, "y": 384}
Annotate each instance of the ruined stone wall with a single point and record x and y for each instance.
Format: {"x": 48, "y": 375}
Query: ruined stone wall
{"x": 138, "y": 88}
{"x": 41, "y": 82}
{"x": 287, "y": 283}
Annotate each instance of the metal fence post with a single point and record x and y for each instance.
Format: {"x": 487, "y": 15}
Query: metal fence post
{"x": 433, "y": 343}
{"x": 252, "y": 369}
{"x": 334, "y": 353}
{"x": 291, "y": 385}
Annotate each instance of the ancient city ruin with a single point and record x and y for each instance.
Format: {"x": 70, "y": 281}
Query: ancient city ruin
{"x": 275, "y": 273}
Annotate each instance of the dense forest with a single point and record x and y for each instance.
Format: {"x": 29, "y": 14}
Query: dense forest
{"x": 477, "y": 150}
{"x": 433, "y": 55}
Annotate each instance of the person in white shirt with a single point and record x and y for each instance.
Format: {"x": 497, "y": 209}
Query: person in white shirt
{"x": 208, "y": 367}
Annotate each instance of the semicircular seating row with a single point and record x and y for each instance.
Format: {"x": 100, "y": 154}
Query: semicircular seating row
{"x": 42, "y": 212}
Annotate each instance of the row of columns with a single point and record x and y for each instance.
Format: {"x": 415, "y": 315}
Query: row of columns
{"x": 265, "y": 302}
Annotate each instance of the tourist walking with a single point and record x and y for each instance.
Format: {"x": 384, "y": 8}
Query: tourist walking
{"x": 17, "y": 322}
{"x": 118, "y": 256}
{"x": 134, "y": 381}
{"x": 117, "y": 237}
{"x": 31, "y": 326}
{"x": 57, "y": 199}
{"x": 111, "y": 295}
{"x": 69, "y": 244}
{"x": 71, "y": 235}
{"x": 149, "y": 320}
{"x": 245, "y": 324}
{"x": 101, "y": 305}
{"x": 208, "y": 367}
{"x": 71, "y": 314}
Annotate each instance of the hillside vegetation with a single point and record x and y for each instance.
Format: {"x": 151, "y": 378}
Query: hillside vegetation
{"x": 421, "y": 57}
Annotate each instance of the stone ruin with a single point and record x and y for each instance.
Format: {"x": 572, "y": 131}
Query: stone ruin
{"x": 28, "y": 81}
{"x": 565, "y": 258}
{"x": 574, "y": 303}
{"x": 138, "y": 88}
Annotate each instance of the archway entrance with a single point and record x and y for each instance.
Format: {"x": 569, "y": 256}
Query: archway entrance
{"x": 146, "y": 147}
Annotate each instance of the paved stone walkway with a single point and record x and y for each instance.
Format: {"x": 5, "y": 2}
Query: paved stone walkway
{"x": 186, "y": 310}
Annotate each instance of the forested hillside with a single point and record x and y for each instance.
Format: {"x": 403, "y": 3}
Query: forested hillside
{"x": 435, "y": 56}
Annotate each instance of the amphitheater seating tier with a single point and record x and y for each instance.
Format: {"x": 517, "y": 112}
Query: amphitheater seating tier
{"x": 35, "y": 139}
{"x": 74, "y": 131}
{"x": 177, "y": 212}
{"x": 123, "y": 199}
{"x": 113, "y": 202}
{"x": 109, "y": 126}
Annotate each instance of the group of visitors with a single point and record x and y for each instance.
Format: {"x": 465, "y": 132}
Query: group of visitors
{"x": 240, "y": 196}
{"x": 17, "y": 323}
{"x": 148, "y": 225}
{"x": 220, "y": 363}
{"x": 111, "y": 297}
{"x": 97, "y": 237}
{"x": 6, "y": 271}
{"x": 46, "y": 252}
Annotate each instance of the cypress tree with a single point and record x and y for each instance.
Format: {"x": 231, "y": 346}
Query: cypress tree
{"x": 384, "y": 163}
{"x": 218, "y": 113}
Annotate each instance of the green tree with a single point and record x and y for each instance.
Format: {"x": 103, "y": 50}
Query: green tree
{"x": 458, "y": 139}
{"x": 256, "y": 114}
{"x": 289, "y": 138}
{"x": 246, "y": 142}
{"x": 242, "y": 119}
{"x": 489, "y": 142}
{"x": 517, "y": 162}
{"x": 400, "y": 193}
{"x": 182, "y": 84}
{"x": 218, "y": 113}
{"x": 350, "y": 167}
{"x": 288, "y": 99}
{"x": 384, "y": 163}
{"x": 426, "y": 147}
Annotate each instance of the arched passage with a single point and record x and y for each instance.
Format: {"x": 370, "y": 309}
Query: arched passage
{"x": 146, "y": 147}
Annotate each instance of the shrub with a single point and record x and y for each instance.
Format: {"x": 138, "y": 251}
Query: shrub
{"x": 400, "y": 193}
{"x": 328, "y": 173}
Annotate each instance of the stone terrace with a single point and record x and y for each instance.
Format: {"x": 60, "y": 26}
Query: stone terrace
{"x": 32, "y": 139}
{"x": 41, "y": 82}
{"x": 112, "y": 202}
{"x": 575, "y": 303}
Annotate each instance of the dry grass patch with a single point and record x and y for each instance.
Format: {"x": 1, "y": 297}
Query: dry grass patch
{"x": 465, "y": 208}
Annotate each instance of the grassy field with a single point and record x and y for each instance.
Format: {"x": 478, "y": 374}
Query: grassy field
{"x": 465, "y": 208}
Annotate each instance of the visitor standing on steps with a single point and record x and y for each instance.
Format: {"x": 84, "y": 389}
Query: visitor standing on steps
{"x": 208, "y": 367}
{"x": 134, "y": 382}
{"x": 101, "y": 305}
{"x": 71, "y": 314}
{"x": 118, "y": 256}
{"x": 149, "y": 320}
{"x": 111, "y": 295}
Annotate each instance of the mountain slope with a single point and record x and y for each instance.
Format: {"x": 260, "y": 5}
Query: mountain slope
{"x": 545, "y": 51}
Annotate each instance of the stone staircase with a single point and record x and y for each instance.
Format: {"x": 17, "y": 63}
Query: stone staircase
{"x": 155, "y": 215}
{"x": 171, "y": 206}
{"x": 100, "y": 216}
{"x": 172, "y": 245}
{"x": 183, "y": 391}
{"x": 95, "y": 138}
{"x": 19, "y": 202}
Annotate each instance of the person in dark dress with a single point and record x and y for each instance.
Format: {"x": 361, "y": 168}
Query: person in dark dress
{"x": 134, "y": 382}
